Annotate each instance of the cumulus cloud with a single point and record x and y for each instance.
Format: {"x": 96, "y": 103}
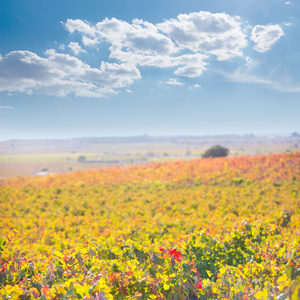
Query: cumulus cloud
{"x": 79, "y": 25}
{"x": 195, "y": 86}
{"x": 139, "y": 36}
{"x": 140, "y": 43}
{"x": 76, "y": 48}
{"x": 187, "y": 45}
{"x": 165, "y": 45}
{"x": 61, "y": 74}
{"x": 219, "y": 34}
{"x": 174, "y": 81}
{"x": 264, "y": 36}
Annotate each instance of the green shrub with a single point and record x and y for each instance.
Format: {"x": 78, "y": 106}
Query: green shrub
{"x": 216, "y": 151}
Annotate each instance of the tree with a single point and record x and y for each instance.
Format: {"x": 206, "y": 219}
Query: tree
{"x": 216, "y": 151}
{"x": 82, "y": 158}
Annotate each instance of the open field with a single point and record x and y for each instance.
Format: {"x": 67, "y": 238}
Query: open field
{"x": 224, "y": 228}
{"x": 27, "y": 158}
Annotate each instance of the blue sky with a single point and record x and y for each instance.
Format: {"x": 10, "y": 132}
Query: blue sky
{"x": 74, "y": 68}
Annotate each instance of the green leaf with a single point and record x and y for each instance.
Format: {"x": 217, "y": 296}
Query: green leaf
{"x": 68, "y": 293}
{"x": 21, "y": 275}
{"x": 248, "y": 227}
{"x": 288, "y": 271}
{"x": 2, "y": 243}
{"x": 173, "y": 295}
{"x": 79, "y": 259}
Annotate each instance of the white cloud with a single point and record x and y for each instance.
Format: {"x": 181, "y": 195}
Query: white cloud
{"x": 129, "y": 91}
{"x": 140, "y": 43}
{"x": 244, "y": 77}
{"x": 79, "y": 25}
{"x": 174, "y": 81}
{"x": 164, "y": 45}
{"x": 195, "y": 86}
{"x": 238, "y": 76}
{"x": 219, "y": 34}
{"x": 193, "y": 65}
{"x": 264, "y": 36}
{"x": 76, "y": 48}
{"x": 61, "y": 74}
{"x": 185, "y": 43}
{"x": 287, "y": 2}
{"x": 5, "y": 108}
{"x": 250, "y": 61}
{"x": 139, "y": 36}
{"x": 188, "y": 45}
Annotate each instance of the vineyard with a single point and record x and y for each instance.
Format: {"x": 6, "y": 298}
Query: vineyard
{"x": 223, "y": 228}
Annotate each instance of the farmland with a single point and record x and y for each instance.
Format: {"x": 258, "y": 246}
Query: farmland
{"x": 27, "y": 158}
{"x": 224, "y": 228}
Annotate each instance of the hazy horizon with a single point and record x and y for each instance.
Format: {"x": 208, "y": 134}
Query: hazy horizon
{"x": 162, "y": 136}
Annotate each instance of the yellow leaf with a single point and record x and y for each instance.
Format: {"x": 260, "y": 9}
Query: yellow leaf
{"x": 138, "y": 246}
{"x": 295, "y": 295}
{"x": 166, "y": 286}
{"x": 262, "y": 295}
{"x": 58, "y": 254}
{"x": 117, "y": 251}
{"x": 82, "y": 290}
{"x": 282, "y": 279}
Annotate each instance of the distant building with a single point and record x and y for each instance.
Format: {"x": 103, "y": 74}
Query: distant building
{"x": 42, "y": 173}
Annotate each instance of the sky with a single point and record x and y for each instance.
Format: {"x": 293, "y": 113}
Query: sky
{"x": 92, "y": 68}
